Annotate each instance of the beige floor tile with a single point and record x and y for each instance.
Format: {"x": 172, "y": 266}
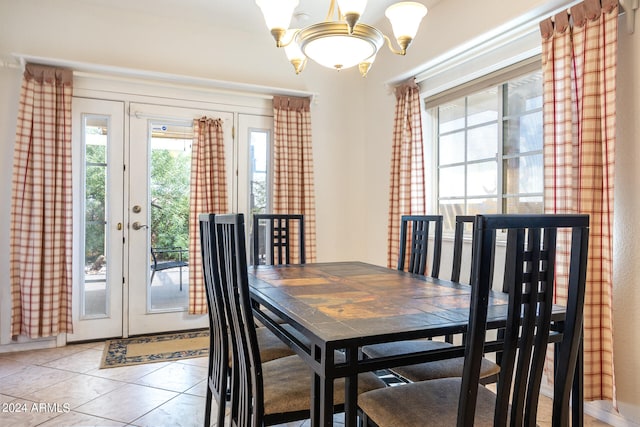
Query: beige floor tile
{"x": 72, "y": 419}
{"x": 127, "y": 403}
{"x": 40, "y": 357}
{"x": 182, "y": 411}
{"x": 154, "y": 394}
{"x": 127, "y": 373}
{"x": 199, "y": 389}
{"x": 25, "y": 413}
{"x": 175, "y": 377}
{"x": 10, "y": 366}
{"x": 27, "y": 381}
{"x": 81, "y": 361}
{"x": 75, "y": 391}
{"x": 198, "y": 361}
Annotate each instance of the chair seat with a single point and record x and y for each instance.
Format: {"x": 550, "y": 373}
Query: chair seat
{"x": 412, "y": 404}
{"x": 271, "y": 347}
{"x": 428, "y": 370}
{"x": 287, "y": 386}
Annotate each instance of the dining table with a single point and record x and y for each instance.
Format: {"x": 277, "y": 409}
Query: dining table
{"x": 319, "y": 309}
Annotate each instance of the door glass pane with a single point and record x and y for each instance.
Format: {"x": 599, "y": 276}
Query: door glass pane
{"x": 258, "y": 170}
{"x": 169, "y": 207}
{"x": 259, "y": 151}
{"x": 94, "y": 287}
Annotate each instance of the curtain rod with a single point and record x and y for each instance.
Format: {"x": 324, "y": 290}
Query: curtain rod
{"x": 85, "y": 69}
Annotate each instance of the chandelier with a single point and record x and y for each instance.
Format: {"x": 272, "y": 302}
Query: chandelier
{"x": 344, "y": 42}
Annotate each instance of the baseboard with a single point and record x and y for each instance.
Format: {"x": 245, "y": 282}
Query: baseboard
{"x": 602, "y": 410}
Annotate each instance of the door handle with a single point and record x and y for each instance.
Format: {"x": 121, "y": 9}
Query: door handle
{"x": 137, "y": 226}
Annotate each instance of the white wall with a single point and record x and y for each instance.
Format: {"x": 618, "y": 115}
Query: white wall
{"x": 352, "y": 119}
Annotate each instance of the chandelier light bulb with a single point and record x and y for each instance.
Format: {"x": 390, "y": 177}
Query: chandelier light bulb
{"x": 277, "y": 15}
{"x": 405, "y": 18}
{"x": 352, "y": 10}
{"x": 293, "y": 52}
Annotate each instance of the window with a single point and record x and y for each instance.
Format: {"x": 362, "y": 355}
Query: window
{"x": 488, "y": 142}
{"x": 259, "y": 150}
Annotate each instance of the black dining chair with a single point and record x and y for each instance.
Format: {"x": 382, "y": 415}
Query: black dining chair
{"x": 271, "y": 347}
{"x": 275, "y": 238}
{"x": 464, "y": 227}
{"x": 272, "y": 392}
{"x": 439, "y": 368}
{"x": 533, "y": 241}
{"x": 414, "y": 253}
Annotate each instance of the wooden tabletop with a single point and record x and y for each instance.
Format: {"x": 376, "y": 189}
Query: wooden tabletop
{"x": 353, "y": 300}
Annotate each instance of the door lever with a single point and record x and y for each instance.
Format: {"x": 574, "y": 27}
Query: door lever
{"x": 137, "y": 226}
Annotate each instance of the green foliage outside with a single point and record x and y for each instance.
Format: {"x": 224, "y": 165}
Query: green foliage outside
{"x": 95, "y": 218}
{"x": 169, "y": 201}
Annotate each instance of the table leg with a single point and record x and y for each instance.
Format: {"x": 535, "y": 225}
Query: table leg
{"x": 325, "y": 401}
{"x": 351, "y": 401}
{"x": 316, "y": 397}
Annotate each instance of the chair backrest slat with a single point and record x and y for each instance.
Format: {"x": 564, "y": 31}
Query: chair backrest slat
{"x": 533, "y": 241}
{"x": 218, "y": 338}
{"x": 458, "y": 241}
{"x": 247, "y": 399}
{"x": 272, "y": 238}
{"x": 419, "y": 227}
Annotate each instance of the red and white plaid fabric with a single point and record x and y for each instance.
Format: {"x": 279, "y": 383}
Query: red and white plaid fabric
{"x": 293, "y": 181}
{"x": 407, "y": 186}
{"x": 41, "y": 206}
{"x": 208, "y": 194}
{"x": 579, "y": 66}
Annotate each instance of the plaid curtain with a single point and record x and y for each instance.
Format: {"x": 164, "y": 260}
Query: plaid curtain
{"x": 208, "y": 193}
{"x": 293, "y": 185}
{"x": 407, "y": 185}
{"x": 579, "y": 66}
{"x": 41, "y": 206}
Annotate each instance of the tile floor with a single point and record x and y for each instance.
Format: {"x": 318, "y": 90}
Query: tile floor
{"x": 65, "y": 387}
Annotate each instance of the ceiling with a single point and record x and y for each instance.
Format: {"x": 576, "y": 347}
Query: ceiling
{"x": 238, "y": 14}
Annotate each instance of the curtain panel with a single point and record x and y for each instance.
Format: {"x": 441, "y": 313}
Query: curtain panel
{"x": 41, "y": 206}
{"x": 579, "y": 50}
{"x": 407, "y": 185}
{"x": 208, "y": 193}
{"x": 293, "y": 181}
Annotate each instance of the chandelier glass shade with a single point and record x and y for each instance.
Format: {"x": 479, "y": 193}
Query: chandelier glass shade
{"x": 341, "y": 43}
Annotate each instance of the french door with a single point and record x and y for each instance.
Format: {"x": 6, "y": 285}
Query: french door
{"x": 158, "y": 215}
{"x": 131, "y": 193}
{"x": 98, "y": 217}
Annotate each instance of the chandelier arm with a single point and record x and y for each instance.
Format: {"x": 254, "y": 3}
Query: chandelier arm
{"x": 392, "y": 49}
{"x": 293, "y": 37}
{"x": 331, "y": 11}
